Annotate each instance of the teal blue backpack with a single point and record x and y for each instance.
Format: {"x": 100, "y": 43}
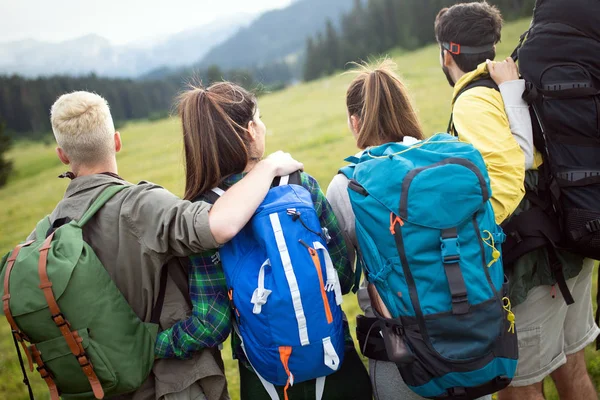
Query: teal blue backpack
{"x": 430, "y": 245}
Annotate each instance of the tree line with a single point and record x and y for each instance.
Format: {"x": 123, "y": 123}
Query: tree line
{"x": 376, "y": 26}
{"x": 25, "y": 103}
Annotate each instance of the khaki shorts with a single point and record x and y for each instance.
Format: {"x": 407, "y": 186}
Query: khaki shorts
{"x": 549, "y": 330}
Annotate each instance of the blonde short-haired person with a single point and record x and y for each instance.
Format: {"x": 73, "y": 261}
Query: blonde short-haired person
{"x": 145, "y": 227}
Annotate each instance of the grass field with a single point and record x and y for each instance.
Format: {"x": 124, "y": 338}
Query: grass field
{"x": 307, "y": 120}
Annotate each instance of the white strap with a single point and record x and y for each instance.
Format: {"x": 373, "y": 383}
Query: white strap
{"x": 218, "y": 191}
{"x": 291, "y": 278}
{"x": 260, "y": 295}
{"x": 269, "y": 387}
{"x": 320, "y": 387}
{"x": 331, "y": 359}
{"x": 333, "y": 280}
{"x": 284, "y": 180}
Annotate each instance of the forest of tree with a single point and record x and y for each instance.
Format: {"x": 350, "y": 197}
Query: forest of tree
{"x": 25, "y": 103}
{"x": 371, "y": 27}
{"x": 376, "y": 26}
{"x": 5, "y": 165}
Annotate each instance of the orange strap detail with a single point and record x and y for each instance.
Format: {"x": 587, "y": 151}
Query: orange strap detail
{"x": 394, "y": 221}
{"x": 72, "y": 338}
{"x": 46, "y": 376}
{"x": 284, "y": 354}
{"x": 315, "y": 257}
{"x": 20, "y": 336}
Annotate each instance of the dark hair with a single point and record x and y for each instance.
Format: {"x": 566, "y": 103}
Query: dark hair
{"x": 380, "y": 100}
{"x": 469, "y": 24}
{"x": 215, "y": 136}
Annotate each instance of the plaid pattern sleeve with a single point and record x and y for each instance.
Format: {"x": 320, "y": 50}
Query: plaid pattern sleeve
{"x": 337, "y": 245}
{"x": 209, "y": 324}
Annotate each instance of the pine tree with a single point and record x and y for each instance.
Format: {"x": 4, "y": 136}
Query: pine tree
{"x": 332, "y": 48}
{"x": 311, "y": 68}
{"x": 6, "y": 166}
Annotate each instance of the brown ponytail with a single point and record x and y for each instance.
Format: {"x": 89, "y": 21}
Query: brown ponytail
{"x": 216, "y": 140}
{"x": 380, "y": 100}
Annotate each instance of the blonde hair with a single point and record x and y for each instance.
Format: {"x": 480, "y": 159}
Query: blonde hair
{"x": 380, "y": 100}
{"x": 83, "y": 127}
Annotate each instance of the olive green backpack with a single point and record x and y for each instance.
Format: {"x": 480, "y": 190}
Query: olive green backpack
{"x": 84, "y": 337}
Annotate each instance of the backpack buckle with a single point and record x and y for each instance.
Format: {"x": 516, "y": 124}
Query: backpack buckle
{"x": 450, "y": 250}
{"x": 85, "y": 362}
{"x": 59, "y": 319}
{"x": 44, "y": 372}
{"x": 593, "y": 226}
{"x": 517, "y": 236}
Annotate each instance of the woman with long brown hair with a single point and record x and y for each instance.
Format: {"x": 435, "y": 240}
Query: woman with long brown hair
{"x": 224, "y": 138}
{"x": 379, "y": 111}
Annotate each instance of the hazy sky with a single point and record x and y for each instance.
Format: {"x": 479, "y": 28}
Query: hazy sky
{"x": 120, "y": 21}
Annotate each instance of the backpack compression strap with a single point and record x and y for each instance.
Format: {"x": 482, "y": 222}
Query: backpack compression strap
{"x": 71, "y": 337}
{"x": 20, "y": 336}
{"x": 17, "y": 334}
{"x": 483, "y": 82}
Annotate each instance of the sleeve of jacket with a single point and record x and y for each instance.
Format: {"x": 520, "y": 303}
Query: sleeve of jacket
{"x": 337, "y": 195}
{"x": 164, "y": 223}
{"x": 480, "y": 119}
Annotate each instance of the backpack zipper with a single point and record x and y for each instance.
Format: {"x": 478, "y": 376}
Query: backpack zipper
{"x": 317, "y": 262}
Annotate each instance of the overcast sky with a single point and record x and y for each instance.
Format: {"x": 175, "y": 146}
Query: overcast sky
{"x": 120, "y": 21}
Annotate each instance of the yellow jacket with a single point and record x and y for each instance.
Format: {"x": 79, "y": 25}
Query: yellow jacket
{"x": 480, "y": 119}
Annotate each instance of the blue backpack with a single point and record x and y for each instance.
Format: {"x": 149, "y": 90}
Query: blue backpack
{"x": 285, "y": 291}
{"x": 430, "y": 245}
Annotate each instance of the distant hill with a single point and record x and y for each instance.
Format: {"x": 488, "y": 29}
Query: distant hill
{"x": 276, "y": 34}
{"x": 95, "y": 54}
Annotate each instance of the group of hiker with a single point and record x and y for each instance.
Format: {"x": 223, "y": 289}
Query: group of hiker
{"x": 471, "y": 252}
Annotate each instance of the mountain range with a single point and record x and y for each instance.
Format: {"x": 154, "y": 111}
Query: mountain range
{"x": 239, "y": 41}
{"x": 93, "y": 53}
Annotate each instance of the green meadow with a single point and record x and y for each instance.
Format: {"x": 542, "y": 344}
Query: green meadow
{"x": 307, "y": 120}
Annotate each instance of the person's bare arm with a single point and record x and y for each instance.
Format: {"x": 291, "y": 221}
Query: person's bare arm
{"x": 235, "y": 208}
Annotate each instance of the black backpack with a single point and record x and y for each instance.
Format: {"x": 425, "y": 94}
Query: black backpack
{"x": 559, "y": 57}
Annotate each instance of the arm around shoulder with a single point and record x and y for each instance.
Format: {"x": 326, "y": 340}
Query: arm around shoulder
{"x": 166, "y": 224}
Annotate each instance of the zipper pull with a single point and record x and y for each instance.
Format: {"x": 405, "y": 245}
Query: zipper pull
{"x": 510, "y": 316}
{"x": 293, "y": 213}
{"x": 310, "y": 249}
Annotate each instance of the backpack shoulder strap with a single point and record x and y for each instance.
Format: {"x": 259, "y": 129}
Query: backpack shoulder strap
{"x": 292, "y": 179}
{"x": 483, "y": 82}
{"x": 160, "y": 299}
{"x": 213, "y": 195}
{"x": 347, "y": 171}
{"x": 42, "y": 227}
{"x": 105, "y": 196}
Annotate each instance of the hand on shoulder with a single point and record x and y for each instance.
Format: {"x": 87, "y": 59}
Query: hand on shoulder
{"x": 503, "y": 71}
{"x": 282, "y": 163}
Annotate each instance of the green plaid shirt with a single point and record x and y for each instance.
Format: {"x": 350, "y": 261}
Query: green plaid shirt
{"x": 210, "y": 322}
